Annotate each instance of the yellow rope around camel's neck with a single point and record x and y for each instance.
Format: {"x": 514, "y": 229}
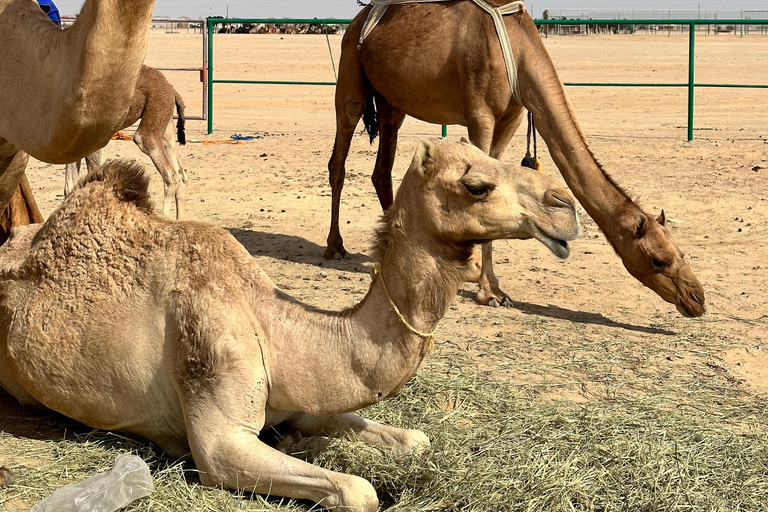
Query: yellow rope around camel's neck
{"x": 429, "y": 338}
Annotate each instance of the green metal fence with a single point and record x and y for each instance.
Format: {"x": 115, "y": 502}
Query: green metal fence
{"x": 691, "y": 84}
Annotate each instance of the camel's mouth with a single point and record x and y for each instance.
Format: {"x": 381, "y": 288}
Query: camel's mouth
{"x": 558, "y": 247}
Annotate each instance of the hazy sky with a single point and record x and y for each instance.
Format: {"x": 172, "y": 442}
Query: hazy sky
{"x": 348, "y": 8}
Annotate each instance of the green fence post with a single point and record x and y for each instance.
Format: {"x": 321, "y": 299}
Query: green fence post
{"x": 445, "y": 132}
{"x": 210, "y": 75}
{"x": 691, "y": 83}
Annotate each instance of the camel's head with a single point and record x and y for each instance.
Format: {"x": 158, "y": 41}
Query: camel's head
{"x": 471, "y": 198}
{"x": 653, "y": 259}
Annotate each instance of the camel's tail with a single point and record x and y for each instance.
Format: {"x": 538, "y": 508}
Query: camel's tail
{"x": 370, "y": 120}
{"x": 180, "y": 124}
{"x": 128, "y": 180}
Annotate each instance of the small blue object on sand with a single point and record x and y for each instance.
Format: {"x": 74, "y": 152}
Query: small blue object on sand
{"x": 237, "y": 136}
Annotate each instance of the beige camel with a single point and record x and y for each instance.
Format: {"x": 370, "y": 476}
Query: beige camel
{"x": 153, "y": 102}
{"x": 63, "y": 93}
{"x": 442, "y": 63}
{"x": 169, "y": 329}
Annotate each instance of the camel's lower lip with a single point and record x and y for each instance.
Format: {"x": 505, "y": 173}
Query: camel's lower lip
{"x": 558, "y": 247}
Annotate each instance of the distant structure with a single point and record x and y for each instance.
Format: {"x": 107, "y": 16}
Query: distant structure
{"x": 639, "y": 15}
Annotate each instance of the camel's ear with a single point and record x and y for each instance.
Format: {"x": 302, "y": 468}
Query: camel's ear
{"x": 464, "y": 140}
{"x": 661, "y": 219}
{"x": 423, "y": 157}
{"x": 641, "y": 226}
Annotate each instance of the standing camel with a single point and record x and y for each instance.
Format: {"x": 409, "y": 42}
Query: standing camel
{"x": 153, "y": 102}
{"x": 63, "y": 93}
{"x": 442, "y": 63}
{"x": 170, "y": 330}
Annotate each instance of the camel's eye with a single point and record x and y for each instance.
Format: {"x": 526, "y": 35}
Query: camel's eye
{"x": 659, "y": 263}
{"x": 478, "y": 188}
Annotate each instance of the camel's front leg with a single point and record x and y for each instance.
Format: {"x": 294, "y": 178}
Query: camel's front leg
{"x": 238, "y": 460}
{"x": 12, "y": 169}
{"x": 399, "y": 441}
{"x": 71, "y": 177}
{"x": 229, "y": 454}
{"x": 490, "y": 293}
{"x": 480, "y": 129}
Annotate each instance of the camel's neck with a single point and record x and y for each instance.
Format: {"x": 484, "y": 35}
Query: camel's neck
{"x": 336, "y": 362}
{"x": 83, "y": 77}
{"x": 544, "y": 96}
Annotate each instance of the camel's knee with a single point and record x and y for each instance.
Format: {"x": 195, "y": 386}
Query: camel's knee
{"x": 356, "y": 494}
{"x": 354, "y": 109}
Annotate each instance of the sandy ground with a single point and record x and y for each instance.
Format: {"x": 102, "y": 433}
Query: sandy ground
{"x": 273, "y": 192}
{"x": 581, "y": 329}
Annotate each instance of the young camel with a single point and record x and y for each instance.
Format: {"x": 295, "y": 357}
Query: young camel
{"x": 153, "y": 102}
{"x": 170, "y": 330}
{"x": 442, "y": 63}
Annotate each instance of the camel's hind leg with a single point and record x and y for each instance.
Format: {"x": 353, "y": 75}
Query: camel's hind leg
{"x": 390, "y": 120}
{"x": 160, "y": 148}
{"x": 72, "y": 170}
{"x": 351, "y": 97}
{"x": 493, "y": 142}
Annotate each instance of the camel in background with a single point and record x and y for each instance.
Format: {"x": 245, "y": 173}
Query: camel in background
{"x": 442, "y": 63}
{"x": 63, "y": 93}
{"x": 170, "y": 330}
{"x": 83, "y": 78}
{"x": 153, "y": 102}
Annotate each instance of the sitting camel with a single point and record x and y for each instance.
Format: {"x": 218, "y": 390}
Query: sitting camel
{"x": 123, "y": 319}
{"x": 442, "y": 62}
{"x": 153, "y": 102}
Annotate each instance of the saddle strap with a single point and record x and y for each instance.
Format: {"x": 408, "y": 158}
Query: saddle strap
{"x": 379, "y": 8}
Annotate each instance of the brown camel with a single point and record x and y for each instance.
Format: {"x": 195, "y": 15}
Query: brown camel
{"x": 63, "y": 93}
{"x": 170, "y": 330}
{"x": 442, "y": 63}
{"x": 153, "y": 102}
{"x": 83, "y": 80}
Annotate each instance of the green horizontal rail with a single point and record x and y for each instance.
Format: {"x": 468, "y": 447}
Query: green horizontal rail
{"x": 651, "y": 22}
{"x": 271, "y": 82}
{"x": 315, "y": 21}
{"x": 691, "y": 84}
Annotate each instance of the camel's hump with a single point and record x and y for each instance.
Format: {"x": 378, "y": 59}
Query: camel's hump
{"x": 128, "y": 180}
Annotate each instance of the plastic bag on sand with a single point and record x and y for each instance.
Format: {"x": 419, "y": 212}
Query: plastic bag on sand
{"x": 129, "y": 480}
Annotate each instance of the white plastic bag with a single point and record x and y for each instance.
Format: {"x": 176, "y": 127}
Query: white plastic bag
{"x": 129, "y": 480}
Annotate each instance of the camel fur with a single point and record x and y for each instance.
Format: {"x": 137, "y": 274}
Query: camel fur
{"x": 153, "y": 102}
{"x": 442, "y": 63}
{"x": 123, "y": 319}
{"x": 83, "y": 79}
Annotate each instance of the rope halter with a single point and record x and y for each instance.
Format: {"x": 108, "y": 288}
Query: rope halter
{"x": 429, "y": 338}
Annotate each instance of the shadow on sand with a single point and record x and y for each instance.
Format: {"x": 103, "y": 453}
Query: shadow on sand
{"x": 581, "y": 317}
{"x": 298, "y": 249}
